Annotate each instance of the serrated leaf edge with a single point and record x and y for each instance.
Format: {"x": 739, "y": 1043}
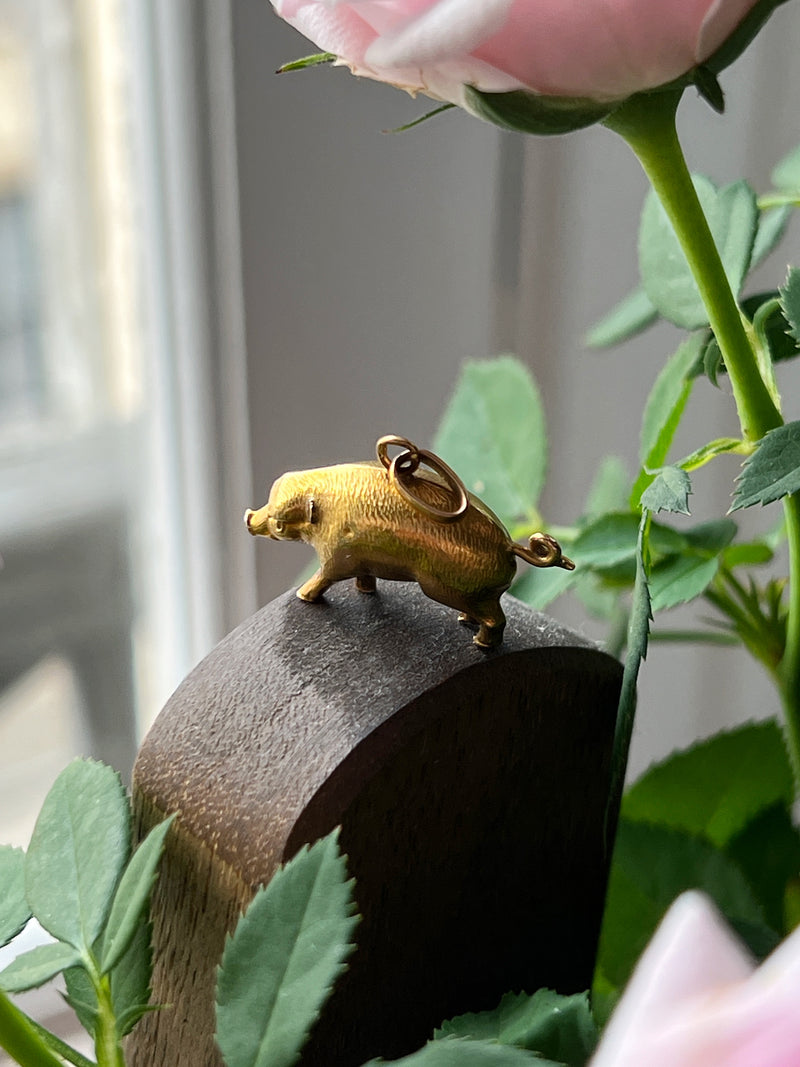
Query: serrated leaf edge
{"x": 347, "y": 948}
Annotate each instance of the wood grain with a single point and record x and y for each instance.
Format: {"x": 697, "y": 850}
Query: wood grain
{"x": 470, "y": 787}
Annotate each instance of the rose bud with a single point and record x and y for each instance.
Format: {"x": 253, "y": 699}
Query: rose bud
{"x": 566, "y": 63}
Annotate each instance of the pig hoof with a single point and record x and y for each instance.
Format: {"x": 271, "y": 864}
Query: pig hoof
{"x": 467, "y": 620}
{"x": 487, "y": 638}
{"x": 367, "y": 584}
{"x": 313, "y": 589}
{"x": 307, "y": 598}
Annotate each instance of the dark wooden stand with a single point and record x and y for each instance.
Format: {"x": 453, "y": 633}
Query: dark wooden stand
{"x": 470, "y": 787}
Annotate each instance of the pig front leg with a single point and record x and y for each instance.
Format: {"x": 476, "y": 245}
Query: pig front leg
{"x": 365, "y": 583}
{"x": 315, "y": 586}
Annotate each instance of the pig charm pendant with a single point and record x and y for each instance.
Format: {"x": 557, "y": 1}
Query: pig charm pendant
{"x": 391, "y": 519}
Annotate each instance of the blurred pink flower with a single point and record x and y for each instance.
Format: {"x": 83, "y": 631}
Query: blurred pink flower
{"x": 696, "y": 999}
{"x": 598, "y": 49}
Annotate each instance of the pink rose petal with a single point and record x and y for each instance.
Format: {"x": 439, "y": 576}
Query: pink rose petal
{"x": 600, "y": 49}
{"x": 696, "y": 999}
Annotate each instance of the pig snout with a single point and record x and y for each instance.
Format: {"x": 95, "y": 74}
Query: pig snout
{"x": 257, "y": 522}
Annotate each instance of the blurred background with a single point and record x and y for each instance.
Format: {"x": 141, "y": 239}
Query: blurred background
{"x": 210, "y": 275}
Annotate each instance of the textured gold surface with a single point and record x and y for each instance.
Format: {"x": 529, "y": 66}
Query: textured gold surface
{"x": 362, "y": 527}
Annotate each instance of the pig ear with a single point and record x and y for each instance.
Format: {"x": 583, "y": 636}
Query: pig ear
{"x": 312, "y": 511}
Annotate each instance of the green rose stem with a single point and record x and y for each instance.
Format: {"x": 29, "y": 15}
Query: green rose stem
{"x": 20, "y": 1039}
{"x": 789, "y": 670}
{"x": 647, "y": 123}
{"x": 106, "y": 1041}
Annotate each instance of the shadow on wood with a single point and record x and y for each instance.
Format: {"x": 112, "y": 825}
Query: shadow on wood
{"x": 470, "y": 788}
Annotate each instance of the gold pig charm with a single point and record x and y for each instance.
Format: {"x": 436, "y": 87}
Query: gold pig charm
{"x": 391, "y": 519}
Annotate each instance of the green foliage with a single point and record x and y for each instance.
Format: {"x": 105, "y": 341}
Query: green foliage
{"x": 268, "y": 1000}
{"x": 751, "y": 553}
{"x": 652, "y": 865}
{"x": 613, "y": 538}
{"x": 641, "y": 615}
{"x": 771, "y": 229}
{"x": 608, "y": 492}
{"x": 712, "y": 536}
{"x": 709, "y": 88}
{"x": 61, "y": 1048}
{"x": 538, "y": 588}
{"x": 130, "y": 980}
{"x": 669, "y": 491}
{"x": 756, "y": 613}
{"x": 716, "y": 787}
{"x": 767, "y": 851}
{"x": 712, "y": 362}
{"x": 14, "y": 910}
{"x": 307, "y": 61}
{"x": 763, "y": 309}
{"x": 80, "y": 885}
{"x": 422, "y": 118}
{"x": 790, "y": 303}
{"x": 607, "y": 541}
{"x": 714, "y": 817}
{"x": 681, "y": 565}
{"x": 732, "y": 215}
{"x": 663, "y": 411}
{"x": 82, "y": 998}
{"x": 629, "y": 317}
{"x": 493, "y": 432}
{"x": 681, "y": 579}
{"x": 132, "y": 896}
{"x": 21, "y": 1039}
{"x": 561, "y": 1028}
{"x": 772, "y": 471}
{"x": 702, "y": 455}
{"x": 666, "y": 403}
{"x": 684, "y": 565}
{"x": 786, "y": 174}
{"x": 456, "y": 1052}
{"x": 32, "y": 969}
{"x": 130, "y": 986}
{"x": 79, "y": 846}
{"x": 609, "y": 489}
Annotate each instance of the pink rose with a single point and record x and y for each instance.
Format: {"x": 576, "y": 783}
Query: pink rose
{"x": 696, "y": 999}
{"x": 602, "y": 50}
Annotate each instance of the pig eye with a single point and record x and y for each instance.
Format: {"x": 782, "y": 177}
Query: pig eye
{"x": 280, "y": 525}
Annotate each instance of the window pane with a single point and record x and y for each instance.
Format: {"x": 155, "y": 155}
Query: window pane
{"x": 78, "y": 525}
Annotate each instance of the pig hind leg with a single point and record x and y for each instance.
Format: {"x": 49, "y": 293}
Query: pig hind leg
{"x": 492, "y": 623}
{"x": 366, "y": 583}
{"x": 485, "y": 613}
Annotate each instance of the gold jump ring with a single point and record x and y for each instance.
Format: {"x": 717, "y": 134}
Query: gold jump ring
{"x": 406, "y": 461}
{"x": 402, "y": 468}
